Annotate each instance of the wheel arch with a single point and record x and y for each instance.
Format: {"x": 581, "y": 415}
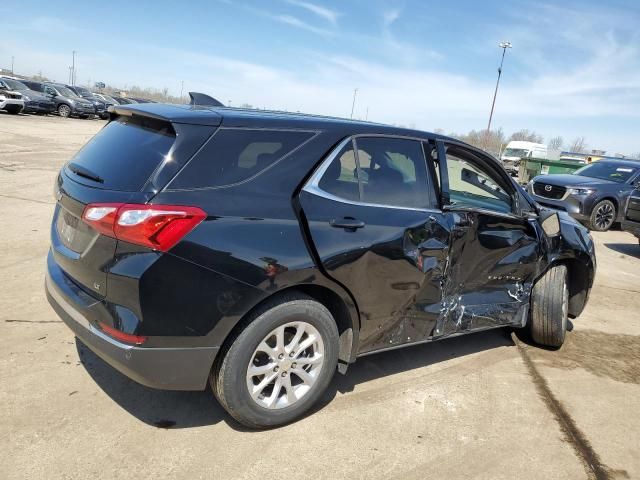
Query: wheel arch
{"x": 344, "y": 313}
{"x": 611, "y": 198}
{"x": 578, "y": 279}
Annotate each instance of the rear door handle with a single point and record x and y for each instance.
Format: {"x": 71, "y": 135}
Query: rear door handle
{"x": 348, "y": 223}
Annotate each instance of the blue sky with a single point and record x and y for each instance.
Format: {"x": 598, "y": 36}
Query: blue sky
{"x": 574, "y": 69}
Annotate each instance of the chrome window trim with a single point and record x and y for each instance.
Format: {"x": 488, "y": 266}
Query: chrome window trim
{"x": 312, "y": 185}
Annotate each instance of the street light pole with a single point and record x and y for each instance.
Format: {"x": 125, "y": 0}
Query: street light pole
{"x": 355, "y": 92}
{"x": 503, "y": 46}
{"x": 12, "y": 59}
{"x": 73, "y": 68}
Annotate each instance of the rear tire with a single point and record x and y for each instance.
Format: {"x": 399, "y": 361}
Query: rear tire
{"x": 298, "y": 376}
{"x": 549, "y": 307}
{"x": 602, "y": 216}
{"x": 13, "y": 110}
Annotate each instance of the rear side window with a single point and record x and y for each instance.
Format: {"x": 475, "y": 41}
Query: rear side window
{"x": 393, "y": 172}
{"x": 124, "y": 154}
{"x": 235, "y": 155}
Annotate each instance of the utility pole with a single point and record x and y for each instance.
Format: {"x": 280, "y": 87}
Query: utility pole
{"x": 503, "y": 46}
{"x": 181, "y": 89}
{"x": 355, "y": 92}
{"x": 366, "y": 116}
{"x": 73, "y": 68}
{"x": 12, "y": 59}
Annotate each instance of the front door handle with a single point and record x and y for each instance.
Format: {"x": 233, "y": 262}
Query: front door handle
{"x": 348, "y": 223}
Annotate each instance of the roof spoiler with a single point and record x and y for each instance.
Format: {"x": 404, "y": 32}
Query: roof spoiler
{"x": 200, "y": 99}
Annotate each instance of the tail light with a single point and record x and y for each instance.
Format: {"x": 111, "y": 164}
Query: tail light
{"x": 158, "y": 227}
{"x": 123, "y": 337}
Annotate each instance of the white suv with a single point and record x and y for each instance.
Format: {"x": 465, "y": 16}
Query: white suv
{"x": 10, "y": 100}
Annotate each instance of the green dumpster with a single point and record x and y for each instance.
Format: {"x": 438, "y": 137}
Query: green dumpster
{"x": 531, "y": 167}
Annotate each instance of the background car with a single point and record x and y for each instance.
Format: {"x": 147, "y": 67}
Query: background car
{"x": 594, "y": 194}
{"x": 108, "y": 101}
{"x": 98, "y": 104}
{"x": 10, "y": 101}
{"x": 34, "y": 101}
{"x": 141, "y": 100}
{"x": 123, "y": 100}
{"x": 67, "y": 103}
{"x": 631, "y": 220}
{"x": 276, "y": 248}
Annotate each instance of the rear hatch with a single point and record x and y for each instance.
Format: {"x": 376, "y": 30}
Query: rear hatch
{"x": 128, "y": 161}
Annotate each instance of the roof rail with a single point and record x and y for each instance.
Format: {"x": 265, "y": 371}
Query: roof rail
{"x": 204, "y": 100}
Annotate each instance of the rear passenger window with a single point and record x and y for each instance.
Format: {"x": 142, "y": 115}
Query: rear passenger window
{"x": 393, "y": 172}
{"x": 235, "y": 155}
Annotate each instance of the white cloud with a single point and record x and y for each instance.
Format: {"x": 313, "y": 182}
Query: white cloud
{"x": 329, "y": 15}
{"x": 296, "y": 22}
{"x": 390, "y": 16}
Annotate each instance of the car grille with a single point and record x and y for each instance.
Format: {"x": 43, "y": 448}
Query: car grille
{"x": 13, "y": 95}
{"x": 548, "y": 191}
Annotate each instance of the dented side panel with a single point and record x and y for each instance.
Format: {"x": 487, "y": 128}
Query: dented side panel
{"x": 492, "y": 265}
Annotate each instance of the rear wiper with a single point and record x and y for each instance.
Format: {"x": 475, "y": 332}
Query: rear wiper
{"x": 83, "y": 172}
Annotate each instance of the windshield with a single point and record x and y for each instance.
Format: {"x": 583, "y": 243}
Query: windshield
{"x": 14, "y": 84}
{"x": 65, "y": 92}
{"x": 83, "y": 91}
{"x": 608, "y": 171}
{"x": 515, "y": 152}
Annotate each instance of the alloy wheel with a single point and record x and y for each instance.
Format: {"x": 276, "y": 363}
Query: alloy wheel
{"x": 285, "y": 365}
{"x": 604, "y": 216}
{"x": 64, "y": 110}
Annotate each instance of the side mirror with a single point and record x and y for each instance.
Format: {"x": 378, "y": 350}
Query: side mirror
{"x": 549, "y": 221}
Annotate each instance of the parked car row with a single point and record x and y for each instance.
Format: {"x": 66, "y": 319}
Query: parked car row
{"x": 28, "y": 96}
{"x": 598, "y": 195}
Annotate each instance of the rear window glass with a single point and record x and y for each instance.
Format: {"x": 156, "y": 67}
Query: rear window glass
{"x": 234, "y": 155}
{"x": 124, "y": 154}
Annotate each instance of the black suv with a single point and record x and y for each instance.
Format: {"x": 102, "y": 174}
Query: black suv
{"x": 67, "y": 103}
{"x": 261, "y": 251}
{"x": 99, "y": 105}
{"x": 594, "y": 194}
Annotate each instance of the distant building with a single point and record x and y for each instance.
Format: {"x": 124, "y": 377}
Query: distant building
{"x": 593, "y": 156}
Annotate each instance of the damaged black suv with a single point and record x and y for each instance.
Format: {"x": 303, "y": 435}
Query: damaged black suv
{"x": 261, "y": 251}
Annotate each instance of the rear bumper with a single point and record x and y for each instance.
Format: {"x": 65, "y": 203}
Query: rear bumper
{"x": 182, "y": 368}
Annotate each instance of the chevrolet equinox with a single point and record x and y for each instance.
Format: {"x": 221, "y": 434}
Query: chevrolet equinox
{"x": 263, "y": 251}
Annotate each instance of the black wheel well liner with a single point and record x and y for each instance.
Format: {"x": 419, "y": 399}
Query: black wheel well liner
{"x": 348, "y": 327}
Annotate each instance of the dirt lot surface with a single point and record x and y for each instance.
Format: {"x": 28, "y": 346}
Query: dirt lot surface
{"x": 480, "y": 406}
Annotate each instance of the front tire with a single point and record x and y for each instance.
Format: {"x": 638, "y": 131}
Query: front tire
{"x": 64, "y": 110}
{"x": 602, "y": 216}
{"x": 279, "y": 365}
{"x": 13, "y": 110}
{"x": 550, "y": 307}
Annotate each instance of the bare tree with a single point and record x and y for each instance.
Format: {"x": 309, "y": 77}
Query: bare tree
{"x": 491, "y": 141}
{"x": 556, "y": 143}
{"x": 526, "y": 136}
{"x": 579, "y": 145}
